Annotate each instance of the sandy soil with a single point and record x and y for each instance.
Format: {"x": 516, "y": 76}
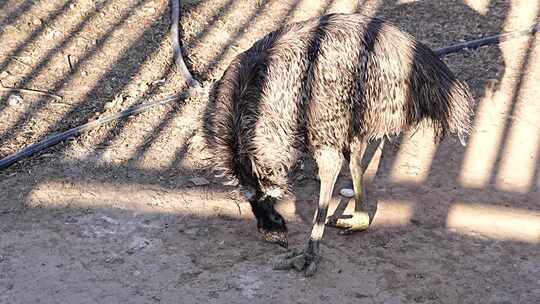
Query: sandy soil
{"x": 113, "y": 216}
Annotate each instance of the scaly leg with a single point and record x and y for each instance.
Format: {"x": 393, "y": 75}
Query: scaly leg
{"x": 360, "y": 218}
{"x": 329, "y": 163}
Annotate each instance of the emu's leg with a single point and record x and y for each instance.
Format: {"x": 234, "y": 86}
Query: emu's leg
{"x": 329, "y": 163}
{"x": 360, "y": 219}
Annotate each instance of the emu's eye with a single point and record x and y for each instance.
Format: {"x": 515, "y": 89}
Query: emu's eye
{"x": 276, "y": 218}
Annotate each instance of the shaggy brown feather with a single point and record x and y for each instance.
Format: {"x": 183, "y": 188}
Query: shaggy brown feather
{"x": 327, "y": 82}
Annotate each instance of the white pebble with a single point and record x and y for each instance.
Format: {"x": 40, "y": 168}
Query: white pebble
{"x": 15, "y": 100}
{"x": 346, "y": 192}
{"x": 232, "y": 182}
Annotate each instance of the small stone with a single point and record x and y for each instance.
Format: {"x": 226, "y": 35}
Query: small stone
{"x": 114, "y": 259}
{"x": 109, "y": 220}
{"x": 158, "y": 82}
{"x": 199, "y": 181}
{"x": 36, "y": 21}
{"x": 15, "y": 100}
{"x": 232, "y": 182}
{"x": 137, "y": 245}
{"x": 192, "y": 231}
{"x": 346, "y": 192}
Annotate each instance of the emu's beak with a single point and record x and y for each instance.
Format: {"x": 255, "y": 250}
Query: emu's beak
{"x": 278, "y": 237}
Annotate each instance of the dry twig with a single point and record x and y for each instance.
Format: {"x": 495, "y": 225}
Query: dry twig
{"x": 32, "y": 91}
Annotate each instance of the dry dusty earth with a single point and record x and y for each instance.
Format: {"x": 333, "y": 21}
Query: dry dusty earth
{"x": 113, "y": 215}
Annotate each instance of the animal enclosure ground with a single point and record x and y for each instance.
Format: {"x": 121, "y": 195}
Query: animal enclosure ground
{"x": 114, "y": 215}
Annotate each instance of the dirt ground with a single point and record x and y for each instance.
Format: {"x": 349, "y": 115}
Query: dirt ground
{"x": 113, "y": 216}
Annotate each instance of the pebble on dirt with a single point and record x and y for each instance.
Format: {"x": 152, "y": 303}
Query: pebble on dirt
{"x": 345, "y": 192}
{"x": 199, "y": 181}
{"x": 137, "y": 244}
{"x": 14, "y": 100}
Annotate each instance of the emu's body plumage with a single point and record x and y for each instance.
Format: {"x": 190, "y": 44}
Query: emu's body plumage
{"x": 330, "y": 83}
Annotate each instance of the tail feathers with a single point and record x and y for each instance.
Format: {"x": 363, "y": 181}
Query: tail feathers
{"x": 447, "y": 108}
{"x": 440, "y": 99}
{"x": 460, "y": 111}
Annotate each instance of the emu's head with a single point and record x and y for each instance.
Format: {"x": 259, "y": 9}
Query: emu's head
{"x": 269, "y": 222}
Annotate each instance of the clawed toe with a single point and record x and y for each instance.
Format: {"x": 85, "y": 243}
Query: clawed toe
{"x": 359, "y": 221}
{"x": 300, "y": 261}
{"x": 333, "y": 220}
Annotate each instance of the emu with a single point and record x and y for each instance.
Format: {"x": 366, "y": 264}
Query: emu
{"x": 326, "y": 87}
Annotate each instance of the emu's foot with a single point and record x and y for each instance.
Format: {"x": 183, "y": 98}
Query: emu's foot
{"x": 359, "y": 221}
{"x": 301, "y": 261}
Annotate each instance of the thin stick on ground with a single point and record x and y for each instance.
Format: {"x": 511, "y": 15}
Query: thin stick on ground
{"x": 20, "y": 61}
{"x": 31, "y": 91}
